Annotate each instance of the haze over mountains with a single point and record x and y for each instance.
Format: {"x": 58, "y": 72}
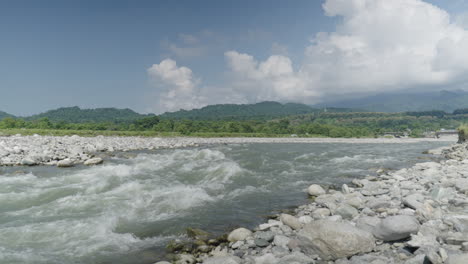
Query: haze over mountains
{"x": 447, "y": 101}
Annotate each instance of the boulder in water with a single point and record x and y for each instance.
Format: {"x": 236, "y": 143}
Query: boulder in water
{"x": 93, "y": 161}
{"x": 315, "y": 190}
{"x": 65, "y": 163}
{"x": 239, "y": 234}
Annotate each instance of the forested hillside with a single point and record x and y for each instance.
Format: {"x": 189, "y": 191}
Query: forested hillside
{"x": 259, "y": 111}
{"x": 3, "y": 115}
{"x": 78, "y": 115}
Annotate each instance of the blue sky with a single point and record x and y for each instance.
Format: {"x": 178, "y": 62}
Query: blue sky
{"x": 103, "y": 53}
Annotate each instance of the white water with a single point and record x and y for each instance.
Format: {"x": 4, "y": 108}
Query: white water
{"x": 125, "y": 210}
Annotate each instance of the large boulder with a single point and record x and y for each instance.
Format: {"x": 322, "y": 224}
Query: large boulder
{"x": 65, "y": 163}
{"x": 367, "y": 223}
{"x": 396, "y": 227}
{"x": 239, "y": 234}
{"x": 315, "y": 190}
{"x": 28, "y": 162}
{"x": 334, "y": 240}
{"x": 93, "y": 161}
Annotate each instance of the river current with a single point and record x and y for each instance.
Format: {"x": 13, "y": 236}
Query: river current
{"x": 126, "y": 210}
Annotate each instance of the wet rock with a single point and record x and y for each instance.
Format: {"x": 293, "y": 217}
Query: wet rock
{"x": 93, "y": 161}
{"x": 345, "y": 189}
{"x": 65, "y": 163}
{"x": 396, "y": 227}
{"x": 239, "y": 234}
{"x": 334, "y": 240}
{"x": 270, "y": 224}
{"x": 28, "y": 162}
{"x": 315, "y": 190}
{"x": 197, "y": 233}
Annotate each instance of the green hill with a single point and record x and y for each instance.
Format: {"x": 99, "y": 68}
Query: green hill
{"x": 78, "y": 115}
{"x": 258, "y": 111}
{"x": 3, "y": 115}
{"x": 447, "y": 101}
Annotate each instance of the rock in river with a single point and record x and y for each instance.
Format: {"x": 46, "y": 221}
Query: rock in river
{"x": 315, "y": 190}
{"x": 65, "y": 163}
{"x": 239, "y": 234}
{"x": 93, "y": 161}
{"x": 334, "y": 240}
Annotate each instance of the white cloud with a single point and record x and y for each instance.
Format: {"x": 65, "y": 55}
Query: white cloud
{"x": 279, "y": 49}
{"x": 387, "y": 45}
{"x": 378, "y": 45}
{"x": 272, "y": 79}
{"x": 177, "y": 87}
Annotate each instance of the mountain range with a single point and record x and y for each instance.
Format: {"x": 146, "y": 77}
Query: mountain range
{"x": 259, "y": 111}
{"x": 447, "y": 101}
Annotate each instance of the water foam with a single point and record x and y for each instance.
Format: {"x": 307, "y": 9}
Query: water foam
{"x": 81, "y": 213}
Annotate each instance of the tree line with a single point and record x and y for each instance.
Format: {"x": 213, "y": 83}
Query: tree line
{"x": 344, "y": 124}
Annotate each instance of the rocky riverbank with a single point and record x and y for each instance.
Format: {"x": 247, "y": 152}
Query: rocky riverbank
{"x": 70, "y": 150}
{"x": 412, "y": 216}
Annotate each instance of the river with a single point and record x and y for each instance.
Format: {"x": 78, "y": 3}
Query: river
{"x": 126, "y": 210}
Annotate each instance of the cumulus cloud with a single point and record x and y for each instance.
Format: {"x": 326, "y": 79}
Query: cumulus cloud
{"x": 377, "y": 45}
{"x": 387, "y": 45}
{"x": 177, "y": 86}
{"x": 272, "y": 79}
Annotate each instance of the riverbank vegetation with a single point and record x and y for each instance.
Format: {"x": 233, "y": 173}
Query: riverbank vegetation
{"x": 319, "y": 124}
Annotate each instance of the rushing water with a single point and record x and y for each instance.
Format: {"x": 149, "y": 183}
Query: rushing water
{"x": 127, "y": 209}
